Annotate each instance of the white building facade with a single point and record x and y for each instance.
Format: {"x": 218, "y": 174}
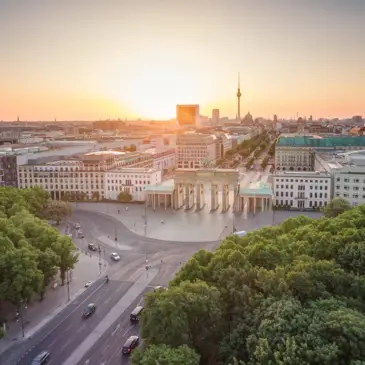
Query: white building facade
{"x": 133, "y": 181}
{"x": 349, "y": 183}
{"x": 163, "y": 159}
{"x": 196, "y": 150}
{"x": 78, "y": 179}
{"x": 301, "y": 190}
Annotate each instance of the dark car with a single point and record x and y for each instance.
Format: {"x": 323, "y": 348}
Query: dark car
{"x": 89, "y": 310}
{"x": 130, "y": 344}
{"x": 135, "y": 315}
{"x": 42, "y": 359}
{"x": 92, "y": 247}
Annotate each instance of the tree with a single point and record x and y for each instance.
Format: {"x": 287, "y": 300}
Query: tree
{"x": 124, "y": 197}
{"x": 56, "y": 210}
{"x": 189, "y": 314}
{"x": 65, "y": 250}
{"x": 289, "y": 294}
{"x": 31, "y": 251}
{"x": 336, "y": 207}
{"x": 132, "y": 148}
{"x": 165, "y": 355}
{"x": 96, "y": 195}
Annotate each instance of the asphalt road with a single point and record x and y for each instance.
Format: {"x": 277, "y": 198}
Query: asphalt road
{"x": 108, "y": 350}
{"x": 71, "y": 328}
{"x": 63, "y": 334}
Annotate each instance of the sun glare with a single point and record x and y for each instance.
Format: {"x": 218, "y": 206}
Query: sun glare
{"x": 152, "y": 90}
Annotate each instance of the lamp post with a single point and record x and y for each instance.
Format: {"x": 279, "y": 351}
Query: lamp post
{"x": 19, "y": 316}
{"x": 68, "y": 280}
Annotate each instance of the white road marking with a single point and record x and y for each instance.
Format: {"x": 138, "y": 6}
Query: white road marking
{"x": 116, "y": 329}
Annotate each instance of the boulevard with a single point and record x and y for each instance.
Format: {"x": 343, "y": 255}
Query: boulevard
{"x": 64, "y": 334}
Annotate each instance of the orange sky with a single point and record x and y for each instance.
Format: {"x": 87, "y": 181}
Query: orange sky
{"x": 88, "y": 60}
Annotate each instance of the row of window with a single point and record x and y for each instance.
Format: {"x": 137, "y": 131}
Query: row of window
{"x": 129, "y": 182}
{"x": 291, "y": 203}
{"x": 303, "y": 187}
{"x": 354, "y": 180}
{"x": 315, "y": 181}
{"x": 302, "y": 195}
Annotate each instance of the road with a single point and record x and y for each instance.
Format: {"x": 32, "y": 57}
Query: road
{"x": 134, "y": 249}
{"x": 108, "y": 350}
{"x": 63, "y": 334}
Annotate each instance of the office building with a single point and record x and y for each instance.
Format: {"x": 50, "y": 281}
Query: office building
{"x": 187, "y": 115}
{"x": 78, "y": 178}
{"x": 133, "y": 181}
{"x": 297, "y": 153}
{"x": 8, "y": 170}
{"x": 215, "y": 117}
{"x": 195, "y": 150}
{"x": 301, "y": 189}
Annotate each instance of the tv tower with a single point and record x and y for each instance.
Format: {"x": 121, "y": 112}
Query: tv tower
{"x": 239, "y": 100}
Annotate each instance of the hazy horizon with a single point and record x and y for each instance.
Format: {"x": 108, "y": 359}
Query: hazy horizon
{"x": 89, "y": 60}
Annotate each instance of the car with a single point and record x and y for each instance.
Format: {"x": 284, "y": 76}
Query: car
{"x": 114, "y": 256}
{"x": 89, "y": 310}
{"x": 136, "y": 314}
{"x": 159, "y": 287}
{"x": 80, "y": 234}
{"x": 77, "y": 226}
{"x": 88, "y": 284}
{"x": 130, "y": 344}
{"x": 92, "y": 246}
{"x": 42, "y": 358}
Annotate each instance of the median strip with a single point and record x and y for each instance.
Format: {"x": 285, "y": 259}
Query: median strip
{"x": 128, "y": 298}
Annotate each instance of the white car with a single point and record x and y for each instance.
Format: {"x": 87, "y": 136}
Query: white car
{"x": 114, "y": 256}
{"x": 88, "y": 284}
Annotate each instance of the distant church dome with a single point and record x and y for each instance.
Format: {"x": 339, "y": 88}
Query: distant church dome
{"x": 248, "y": 119}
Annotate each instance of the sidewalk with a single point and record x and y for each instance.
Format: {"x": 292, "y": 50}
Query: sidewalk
{"x": 37, "y": 314}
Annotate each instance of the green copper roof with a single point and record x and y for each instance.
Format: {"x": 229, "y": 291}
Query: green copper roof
{"x": 260, "y": 189}
{"x": 310, "y": 141}
{"x": 166, "y": 186}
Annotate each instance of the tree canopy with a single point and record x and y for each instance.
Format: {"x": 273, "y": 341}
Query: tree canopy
{"x": 292, "y": 294}
{"x": 336, "y": 206}
{"x": 31, "y": 251}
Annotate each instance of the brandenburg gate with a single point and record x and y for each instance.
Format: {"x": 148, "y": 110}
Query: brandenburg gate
{"x": 188, "y": 189}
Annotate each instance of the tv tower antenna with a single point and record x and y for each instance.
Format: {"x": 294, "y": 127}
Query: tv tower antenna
{"x": 239, "y": 100}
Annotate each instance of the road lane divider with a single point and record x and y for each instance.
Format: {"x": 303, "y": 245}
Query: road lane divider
{"x": 116, "y": 329}
{"x": 62, "y": 320}
{"x": 127, "y": 299}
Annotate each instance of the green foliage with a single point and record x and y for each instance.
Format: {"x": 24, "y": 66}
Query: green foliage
{"x": 336, "y": 207}
{"x": 124, "y": 197}
{"x": 56, "y": 210}
{"x": 265, "y": 162}
{"x": 31, "y": 251}
{"x": 165, "y": 355}
{"x": 291, "y": 294}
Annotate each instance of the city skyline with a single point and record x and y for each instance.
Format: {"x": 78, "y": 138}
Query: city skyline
{"x": 139, "y": 59}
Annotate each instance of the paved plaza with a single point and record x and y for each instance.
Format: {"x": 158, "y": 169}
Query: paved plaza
{"x": 189, "y": 226}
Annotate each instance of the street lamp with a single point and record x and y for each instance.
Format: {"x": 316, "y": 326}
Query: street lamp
{"x": 20, "y": 316}
{"x": 68, "y": 280}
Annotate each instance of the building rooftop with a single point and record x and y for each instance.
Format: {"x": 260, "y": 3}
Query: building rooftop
{"x": 105, "y": 153}
{"x": 166, "y": 186}
{"x": 315, "y": 141}
{"x": 132, "y": 170}
{"x": 303, "y": 174}
{"x": 259, "y": 188}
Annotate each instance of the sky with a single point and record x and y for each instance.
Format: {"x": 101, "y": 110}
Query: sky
{"x": 98, "y": 59}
